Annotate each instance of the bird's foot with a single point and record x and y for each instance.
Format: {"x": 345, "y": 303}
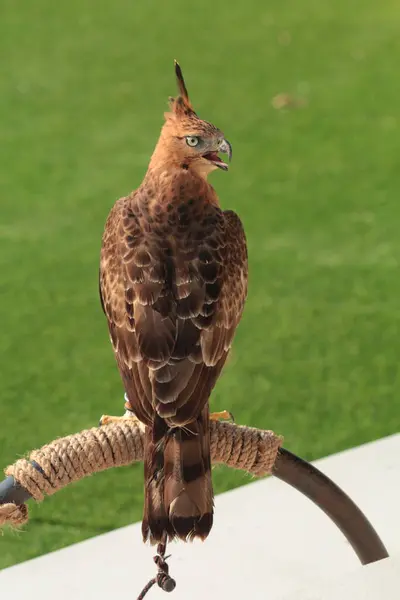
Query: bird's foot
{"x": 107, "y": 419}
{"x": 224, "y": 415}
{"x": 129, "y": 415}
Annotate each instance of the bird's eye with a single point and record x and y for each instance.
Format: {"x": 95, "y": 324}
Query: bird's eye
{"x": 192, "y": 140}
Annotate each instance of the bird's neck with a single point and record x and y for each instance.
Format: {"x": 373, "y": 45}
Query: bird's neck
{"x": 166, "y": 182}
{"x": 163, "y": 159}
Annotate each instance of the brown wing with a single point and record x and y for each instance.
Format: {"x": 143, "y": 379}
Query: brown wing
{"x": 217, "y": 340}
{"x": 173, "y": 285}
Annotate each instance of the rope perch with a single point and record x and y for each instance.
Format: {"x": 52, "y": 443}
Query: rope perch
{"x": 258, "y": 452}
{"x": 69, "y": 459}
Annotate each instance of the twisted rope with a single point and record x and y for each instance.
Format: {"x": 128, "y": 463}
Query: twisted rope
{"x": 74, "y": 457}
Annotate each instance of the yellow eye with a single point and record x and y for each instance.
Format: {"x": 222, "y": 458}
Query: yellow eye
{"x": 192, "y": 140}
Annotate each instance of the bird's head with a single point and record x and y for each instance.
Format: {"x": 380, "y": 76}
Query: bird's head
{"x": 190, "y": 142}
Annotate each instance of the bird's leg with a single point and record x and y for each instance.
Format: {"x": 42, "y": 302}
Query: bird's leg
{"x": 129, "y": 414}
{"x": 224, "y": 415}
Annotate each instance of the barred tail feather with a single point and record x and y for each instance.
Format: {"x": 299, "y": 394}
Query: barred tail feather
{"x": 188, "y": 493}
{"x": 178, "y": 491}
{"x": 155, "y": 521}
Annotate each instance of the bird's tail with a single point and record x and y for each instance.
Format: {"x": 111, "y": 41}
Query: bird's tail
{"x": 178, "y": 486}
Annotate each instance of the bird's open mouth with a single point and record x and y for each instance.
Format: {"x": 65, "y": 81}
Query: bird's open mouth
{"x": 215, "y": 159}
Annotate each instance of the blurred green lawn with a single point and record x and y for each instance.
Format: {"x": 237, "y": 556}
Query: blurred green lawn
{"x": 83, "y": 87}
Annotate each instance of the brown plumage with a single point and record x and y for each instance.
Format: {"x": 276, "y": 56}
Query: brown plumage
{"x": 173, "y": 282}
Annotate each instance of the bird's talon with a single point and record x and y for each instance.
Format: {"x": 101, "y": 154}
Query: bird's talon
{"x": 128, "y": 416}
{"x": 106, "y": 420}
{"x": 224, "y": 415}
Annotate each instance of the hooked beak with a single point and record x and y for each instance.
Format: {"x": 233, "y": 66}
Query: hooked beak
{"x": 224, "y": 147}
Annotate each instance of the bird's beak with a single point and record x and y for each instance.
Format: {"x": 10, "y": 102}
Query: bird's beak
{"x": 226, "y": 148}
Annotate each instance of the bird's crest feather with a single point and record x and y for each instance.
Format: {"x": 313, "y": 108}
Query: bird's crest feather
{"x": 181, "y": 84}
{"x": 181, "y": 105}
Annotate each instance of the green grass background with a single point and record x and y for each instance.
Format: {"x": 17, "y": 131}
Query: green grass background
{"x": 83, "y": 86}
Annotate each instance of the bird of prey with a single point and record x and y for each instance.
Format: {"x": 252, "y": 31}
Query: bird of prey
{"x": 173, "y": 283}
